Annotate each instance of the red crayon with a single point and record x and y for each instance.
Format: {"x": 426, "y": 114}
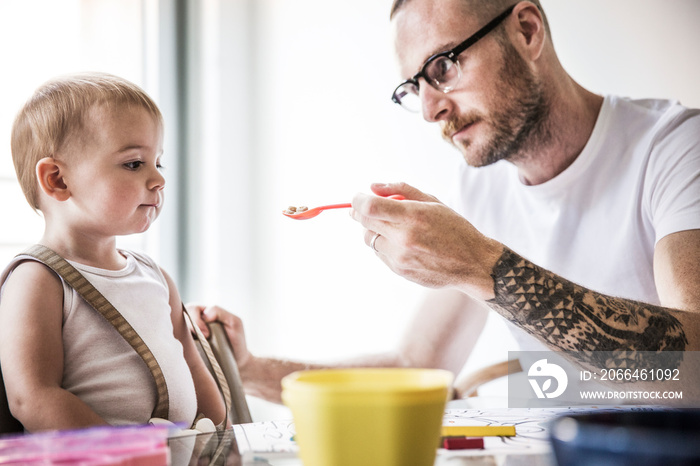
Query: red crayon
{"x": 462, "y": 443}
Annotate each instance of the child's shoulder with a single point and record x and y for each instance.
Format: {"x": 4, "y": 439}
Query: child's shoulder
{"x": 30, "y": 274}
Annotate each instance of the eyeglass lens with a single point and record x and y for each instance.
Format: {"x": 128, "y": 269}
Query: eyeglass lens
{"x": 441, "y": 73}
{"x": 406, "y": 95}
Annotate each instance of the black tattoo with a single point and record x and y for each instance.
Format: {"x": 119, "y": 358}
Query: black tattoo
{"x": 572, "y": 318}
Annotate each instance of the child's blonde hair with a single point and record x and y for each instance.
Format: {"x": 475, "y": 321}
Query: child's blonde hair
{"x": 56, "y": 111}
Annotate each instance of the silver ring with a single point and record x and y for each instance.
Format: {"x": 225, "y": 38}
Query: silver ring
{"x": 373, "y": 241}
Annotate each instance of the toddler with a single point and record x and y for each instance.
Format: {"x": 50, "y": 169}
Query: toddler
{"x": 87, "y": 149}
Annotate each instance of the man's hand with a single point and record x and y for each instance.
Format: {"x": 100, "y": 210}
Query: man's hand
{"x": 261, "y": 377}
{"x": 232, "y": 324}
{"x": 426, "y": 242}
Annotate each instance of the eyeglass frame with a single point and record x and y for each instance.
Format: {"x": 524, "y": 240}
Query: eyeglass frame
{"x": 452, "y": 53}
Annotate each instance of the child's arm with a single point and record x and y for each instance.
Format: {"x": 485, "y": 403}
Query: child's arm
{"x": 31, "y": 351}
{"x": 209, "y": 399}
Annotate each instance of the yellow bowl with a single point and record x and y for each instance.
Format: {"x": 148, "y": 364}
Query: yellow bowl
{"x": 365, "y": 417}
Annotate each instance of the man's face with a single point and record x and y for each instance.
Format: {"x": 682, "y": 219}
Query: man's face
{"x": 497, "y": 109}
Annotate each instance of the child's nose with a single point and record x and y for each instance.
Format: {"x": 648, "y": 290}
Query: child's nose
{"x": 157, "y": 181}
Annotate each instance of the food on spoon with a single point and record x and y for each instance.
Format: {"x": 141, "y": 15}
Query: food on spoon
{"x": 291, "y": 210}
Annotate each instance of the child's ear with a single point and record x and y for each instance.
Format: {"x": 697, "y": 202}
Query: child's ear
{"x": 50, "y": 177}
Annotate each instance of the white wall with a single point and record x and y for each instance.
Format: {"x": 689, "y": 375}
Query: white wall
{"x": 319, "y": 126}
{"x": 636, "y": 48}
{"x": 327, "y": 129}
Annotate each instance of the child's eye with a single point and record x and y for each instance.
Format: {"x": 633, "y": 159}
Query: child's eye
{"x": 133, "y": 165}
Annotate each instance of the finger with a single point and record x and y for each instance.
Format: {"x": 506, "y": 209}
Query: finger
{"x": 233, "y": 325}
{"x": 375, "y": 207}
{"x": 368, "y": 237}
{"x": 406, "y": 190}
{"x": 196, "y": 311}
{"x": 217, "y": 314}
{"x": 195, "y": 308}
{"x": 371, "y": 238}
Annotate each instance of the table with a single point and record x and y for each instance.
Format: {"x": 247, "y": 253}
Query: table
{"x": 270, "y": 442}
{"x": 221, "y": 449}
{"x": 530, "y": 448}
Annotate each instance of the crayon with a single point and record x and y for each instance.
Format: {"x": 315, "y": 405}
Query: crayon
{"x": 478, "y": 431}
{"x": 462, "y": 443}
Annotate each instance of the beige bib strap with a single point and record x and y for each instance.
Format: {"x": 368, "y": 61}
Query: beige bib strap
{"x": 219, "y": 374}
{"x": 95, "y": 299}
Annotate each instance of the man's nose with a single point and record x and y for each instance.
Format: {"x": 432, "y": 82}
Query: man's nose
{"x": 435, "y": 104}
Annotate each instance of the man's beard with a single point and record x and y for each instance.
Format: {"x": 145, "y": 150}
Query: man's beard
{"x": 518, "y": 123}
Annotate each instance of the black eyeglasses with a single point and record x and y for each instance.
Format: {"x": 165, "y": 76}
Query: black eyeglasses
{"x": 442, "y": 70}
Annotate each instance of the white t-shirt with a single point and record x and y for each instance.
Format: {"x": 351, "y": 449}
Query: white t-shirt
{"x": 596, "y": 224}
{"x": 101, "y": 368}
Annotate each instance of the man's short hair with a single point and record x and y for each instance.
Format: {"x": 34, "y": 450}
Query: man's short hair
{"x": 484, "y": 10}
{"x": 56, "y": 113}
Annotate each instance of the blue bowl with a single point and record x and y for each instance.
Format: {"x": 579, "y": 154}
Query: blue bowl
{"x": 622, "y": 438}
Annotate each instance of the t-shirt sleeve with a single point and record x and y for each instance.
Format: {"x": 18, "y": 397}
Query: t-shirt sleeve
{"x": 674, "y": 202}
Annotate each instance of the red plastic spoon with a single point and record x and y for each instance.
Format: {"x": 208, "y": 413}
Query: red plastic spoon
{"x": 311, "y": 213}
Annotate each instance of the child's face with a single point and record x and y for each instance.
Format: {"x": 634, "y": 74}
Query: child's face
{"x": 113, "y": 173}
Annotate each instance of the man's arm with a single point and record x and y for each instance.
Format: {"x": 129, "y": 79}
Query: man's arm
{"x": 570, "y": 317}
{"x": 441, "y": 335}
{"x": 444, "y": 331}
{"x": 432, "y": 245}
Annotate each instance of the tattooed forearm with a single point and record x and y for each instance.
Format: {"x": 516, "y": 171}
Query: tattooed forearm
{"x": 572, "y": 318}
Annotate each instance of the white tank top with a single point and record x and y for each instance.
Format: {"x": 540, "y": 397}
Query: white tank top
{"x": 101, "y": 368}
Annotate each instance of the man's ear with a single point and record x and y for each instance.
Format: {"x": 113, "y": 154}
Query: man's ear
{"x": 531, "y": 29}
{"x": 50, "y": 178}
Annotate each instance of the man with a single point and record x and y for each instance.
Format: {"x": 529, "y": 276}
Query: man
{"x": 579, "y": 216}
